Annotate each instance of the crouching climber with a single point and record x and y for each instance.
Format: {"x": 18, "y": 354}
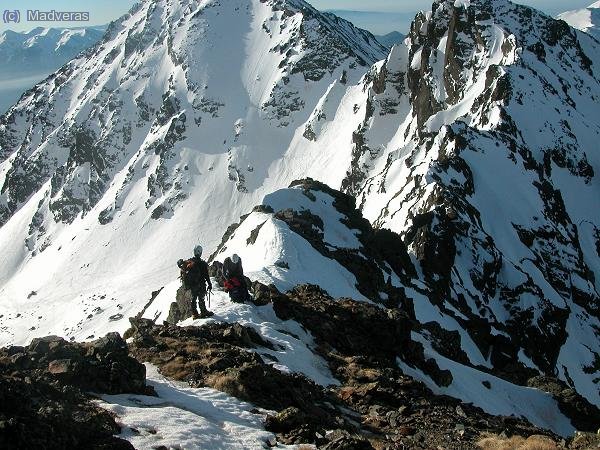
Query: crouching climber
{"x": 195, "y": 278}
{"x": 235, "y": 282}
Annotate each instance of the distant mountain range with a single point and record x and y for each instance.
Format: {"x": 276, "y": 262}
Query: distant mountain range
{"x": 29, "y": 57}
{"x": 377, "y": 22}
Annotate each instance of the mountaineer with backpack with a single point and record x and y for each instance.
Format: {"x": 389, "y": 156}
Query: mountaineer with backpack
{"x": 235, "y": 282}
{"x": 195, "y": 278}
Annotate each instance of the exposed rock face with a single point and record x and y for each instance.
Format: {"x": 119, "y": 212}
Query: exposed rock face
{"x": 485, "y": 178}
{"x": 42, "y": 392}
{"x": 584, "y": 416}
{"x": 351, "y": 328}
{"x": 217, "y": 356}
{"x": 36, "y": 413}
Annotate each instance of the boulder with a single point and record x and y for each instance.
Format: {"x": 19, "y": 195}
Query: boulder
{"x": 181, "y": 308}
{"x": 263, "y": 295}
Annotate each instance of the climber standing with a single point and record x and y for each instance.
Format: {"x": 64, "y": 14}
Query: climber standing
{"x": 235, "y": 282}
{"x": 195, "y": 278}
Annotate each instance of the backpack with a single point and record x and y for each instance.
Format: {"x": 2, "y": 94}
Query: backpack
{"x": 236, "y": 289}
{"x": 189, "y": 273}
{"x": 232, "y": 284}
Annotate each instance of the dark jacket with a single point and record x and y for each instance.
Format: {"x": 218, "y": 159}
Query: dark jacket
{"x": 231, "y": 270}
{"x": 196, "y": 276}
{"x": 235, "y": 282}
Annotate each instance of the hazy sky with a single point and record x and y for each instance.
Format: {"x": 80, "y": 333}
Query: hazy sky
{"x": 379, "y": 16}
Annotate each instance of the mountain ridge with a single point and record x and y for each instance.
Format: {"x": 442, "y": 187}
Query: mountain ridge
{"x": 170, "y": 136}
{"x": 131, "y": 144}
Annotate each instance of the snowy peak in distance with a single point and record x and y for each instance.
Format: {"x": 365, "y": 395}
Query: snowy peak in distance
{"x": 30, "y": 57}
{"x": 44, "y": 48}
{"x": 586, "y": 19}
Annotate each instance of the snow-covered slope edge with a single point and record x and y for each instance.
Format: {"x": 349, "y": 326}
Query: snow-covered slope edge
{"x": 586, "y": 19}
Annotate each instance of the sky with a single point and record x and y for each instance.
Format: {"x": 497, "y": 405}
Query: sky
{"x": 378, "y": 16}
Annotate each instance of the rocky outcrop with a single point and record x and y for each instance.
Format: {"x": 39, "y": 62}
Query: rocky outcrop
{"x": 102, "y": 366}
{"x": 381, "y": 255}
{"x": 584, "y": 416}
{"x": 218, "y": 356}
{"x": 37, "y": 413}
{"x": 43, "y": 400}
{"x": 375, "y": 406}
{"x": 181, "y": 308}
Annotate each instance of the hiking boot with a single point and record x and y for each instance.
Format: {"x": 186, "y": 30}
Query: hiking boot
{"x": 195, "y": 316}
{"x": 205, "y": 314}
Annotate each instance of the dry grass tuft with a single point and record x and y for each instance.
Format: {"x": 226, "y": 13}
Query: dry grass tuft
{"x": 178, "y": 369}
{"x": 225, "y": 383}
{"x": 535, "y": 442}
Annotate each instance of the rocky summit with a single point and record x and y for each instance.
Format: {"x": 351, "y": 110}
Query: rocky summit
{"x": 419, "y": 228}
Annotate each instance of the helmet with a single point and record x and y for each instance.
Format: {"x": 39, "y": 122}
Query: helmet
{"x": 180, "y": 263}
{"x": 198, "y": 251}
{"x": 235, "y": 258}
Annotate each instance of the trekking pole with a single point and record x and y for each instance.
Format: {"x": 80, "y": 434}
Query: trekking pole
{"x": 209, "y": 298}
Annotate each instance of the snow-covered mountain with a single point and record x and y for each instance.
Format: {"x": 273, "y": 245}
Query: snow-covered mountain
{"x": 586, "y": 19}
{"x": 160, "y": 137}
{"x": 487, "y": 167}
{"x": 312, "y": 234}
{"x": 475, "y": 141}
{"x": 29, "y": 57}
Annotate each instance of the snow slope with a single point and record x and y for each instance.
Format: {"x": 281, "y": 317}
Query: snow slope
{"x": 182, "y": 417}
{"x": 586, "y": 19}
{"x": 497, "y": 203}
